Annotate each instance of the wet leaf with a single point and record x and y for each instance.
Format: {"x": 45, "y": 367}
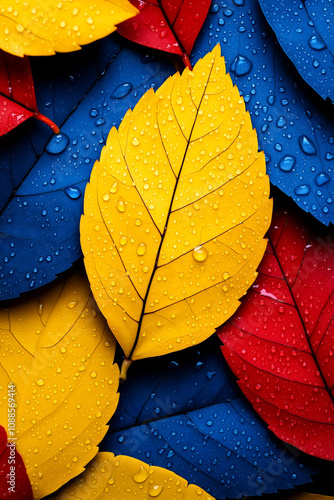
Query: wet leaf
{"x": 175, "y": 213}
{"x": 17, "y": 94}
{"x": 39, "y": 225}
{"x": 186, "y": 413}
{"x": 305, "y": 32}
{"x": 60, "y": 83}
{"x": 14, "y": 482}
{"x": 280, "y": 344}
{"x": 110, "y": 476}
{"x": 52, "y": 26}
{"x": 169, "y": 25}
{"x": 58, "y": 352}
{"x": 294, "y": 125}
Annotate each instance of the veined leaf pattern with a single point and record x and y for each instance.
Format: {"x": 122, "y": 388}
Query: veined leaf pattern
{"x": 175, "y": 213}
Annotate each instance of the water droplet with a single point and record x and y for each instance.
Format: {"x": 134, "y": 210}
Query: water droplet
{"x": 121, "y": 91}
{"x": 40, "y": 308}
{"x": 58, "y": 144}
{"x": 239, "y": 3}
{"x": 40, "y": 382}
{"x": 135, "y": 141}
{"x": 120, "y": 205}
{"x": 241, "y": 65}
{"x": 93, "y": 374}
{"x": 322, "y": 178}
{"x": 141, "y": 475}
{"x": 72, "y": 304}
{"x": 123, "y": 241}
{"x": 155, "y": 491}
{"x": 114, "y": 188}
{"x": 302, "y": 190}
{"x": 287, "y": 163}
{"x": 141, "y": 249}
{"x": 93, "y": 113}
{"x": 200, "y": 254}
{"x": 73, "y": 192}
{"x": 316, "y": 43}
{"x": 307, "y": 145}
{"x": 281, "y": 121}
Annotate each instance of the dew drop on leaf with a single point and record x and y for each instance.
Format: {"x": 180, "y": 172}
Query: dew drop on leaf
{"x": 58, "y": 144}
{"x": 73, "y": 192}
{"x": 120, "y": 205}
{"x": 200, "y": 254}
{"x": 141, "y": 249}
{"x": 141, "y": 475}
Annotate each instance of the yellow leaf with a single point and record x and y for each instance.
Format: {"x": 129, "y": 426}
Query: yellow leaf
{"x": 58, "y": 352}
{"x": 126, "y": 478}
{"x": 48, "y": 26}
{"x": 175, "y": 213}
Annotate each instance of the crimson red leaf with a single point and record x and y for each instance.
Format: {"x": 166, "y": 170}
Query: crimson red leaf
{"x": 168, "y": 25}
{"x": 14, "y": 481}
{"x": 280, "y": 344}
{"x": 17, "y": 93}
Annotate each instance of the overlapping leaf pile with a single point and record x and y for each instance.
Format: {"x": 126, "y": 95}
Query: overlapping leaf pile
{"x": 174, "y": 219}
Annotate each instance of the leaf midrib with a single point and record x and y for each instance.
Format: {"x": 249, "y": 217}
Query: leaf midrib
{"x": 326, "y": 386}
{"x": 167, "y": 220}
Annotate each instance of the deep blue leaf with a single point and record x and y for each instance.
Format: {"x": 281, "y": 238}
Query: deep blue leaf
{"x": 39, "y": 226}
{"x": 305, "y": 31}
{"x": 295, "y": 126}
{"x": 185, "y": 412}
{"x": 60, "y": 83}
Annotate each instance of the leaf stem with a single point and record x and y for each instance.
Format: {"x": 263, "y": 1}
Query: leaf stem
{"x": 124, "y": 369}
{"x": 186, "y": 61}
{"x": 49, "y": 122}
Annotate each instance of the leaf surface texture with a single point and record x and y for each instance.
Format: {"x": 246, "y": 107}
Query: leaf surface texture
{"x": 58, "y": 352}
{"x": 17, "y": 92}
{"x": 50, "y": 26}
{"x": 280, "y": 343}
{"x": 39, "y": 223}
{"x": 294, "y": 126}
{"x": 110, "y": 477}
{"x": 169, "y": 25}
{"x": 191, "y": 418}
{"x": 305, "y": 32}
{"x": 175, "y": 213}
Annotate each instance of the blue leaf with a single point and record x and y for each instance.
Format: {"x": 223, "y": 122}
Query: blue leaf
{"x": 305, "y": 31}
{"x": 294, "y": 125}
{"x": 39, "y": 226}
{"x": 185, "y": 412}
{"x": 60, "y": 83}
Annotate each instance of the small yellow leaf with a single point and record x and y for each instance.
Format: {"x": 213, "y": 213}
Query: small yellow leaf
{"x": 126, "y": 478}
{"x": 58, "y": 352}
{"x": 48, "y": 26}
{"x": 175, "y": 213}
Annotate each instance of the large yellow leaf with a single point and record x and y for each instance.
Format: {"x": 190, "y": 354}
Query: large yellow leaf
{"x": 126, "y": 478}
{"x": 58, "y": 351}
{"x": 175, "y": 213}
{"x": 44, "y": 27}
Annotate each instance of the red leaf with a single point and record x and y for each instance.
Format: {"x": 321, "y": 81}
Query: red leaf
{"x": 17, "y": 94}
{"x": 12, "y": 472}
{"x": 280, "y": 343}
{"x": 169, "y": 25}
